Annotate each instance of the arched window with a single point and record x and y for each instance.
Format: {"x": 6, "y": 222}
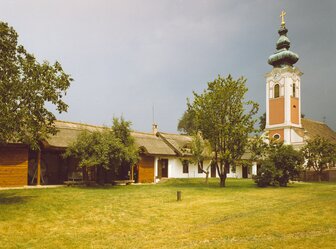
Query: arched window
{"x": 294, "y": 90}
{"x": 276, "y": 91}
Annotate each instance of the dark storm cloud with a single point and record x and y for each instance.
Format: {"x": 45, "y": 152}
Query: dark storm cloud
{"x": 126, "y": 56}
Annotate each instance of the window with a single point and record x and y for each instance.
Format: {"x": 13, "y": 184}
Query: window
{"x": 185, "y": 164}
{"x": 276, "y": 91}
{"x": 200, "y": 168}
{"x": 293, "y": 90}
{"x": 276, "y": 136}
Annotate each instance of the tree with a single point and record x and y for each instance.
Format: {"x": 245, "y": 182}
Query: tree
{"x": 262, "y": 122}
{"x": 111, "y": 148}
{"x": 222, "y": 119}
{"x": 122, "y": 130}
{"x": 26, "y": 86}
{"x": 319, "y": 153}
{"x": 200, "y": 150}
{"x": 186, "y": 124}
{"x": 259, "y": 148}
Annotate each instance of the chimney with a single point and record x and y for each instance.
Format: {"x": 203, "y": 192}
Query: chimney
{"x": 155, "y": 128}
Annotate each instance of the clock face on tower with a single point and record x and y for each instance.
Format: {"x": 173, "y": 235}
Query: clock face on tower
{"x": 276, "y": 76}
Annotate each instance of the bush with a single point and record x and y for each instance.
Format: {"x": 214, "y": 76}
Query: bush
{"x": 287, "y": 162}
{"x": 279, "y": 163}
{"x": 266, "y": 174}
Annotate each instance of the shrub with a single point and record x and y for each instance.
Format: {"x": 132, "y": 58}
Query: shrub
{"x": 266, "y": 174}
{"x": 287, "y": 162}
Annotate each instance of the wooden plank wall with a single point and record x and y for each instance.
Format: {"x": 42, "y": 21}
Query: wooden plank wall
{"x": 146, "y": 169}
{"x": 13, "y": 166}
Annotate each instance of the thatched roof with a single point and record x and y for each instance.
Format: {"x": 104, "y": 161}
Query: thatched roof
{"x": 311, "y": 129}
{"x": 161, "y": 144}
{"x": 152, "y": 144}
{"x": 69, "y": 131}
{"x": 179, "y": 143}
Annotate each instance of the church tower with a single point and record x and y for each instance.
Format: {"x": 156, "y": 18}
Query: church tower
{"x": 283, "y": 92}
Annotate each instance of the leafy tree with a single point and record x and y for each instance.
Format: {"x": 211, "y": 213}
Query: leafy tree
{"x": 319, "y": 153}
{"x": 122, "y": 130}
{"x": 262, "y": 122}
{"x": 110, "y": 148}
{"x": 26, "y": 86}
{"x": 259, "y": 147}
{"x": 201, "y": 150}
{"x": 186, "y": 124}
{"x": 222, "y": 119}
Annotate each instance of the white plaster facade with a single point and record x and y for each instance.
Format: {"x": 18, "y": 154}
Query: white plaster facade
{"x": 175, "y": 169}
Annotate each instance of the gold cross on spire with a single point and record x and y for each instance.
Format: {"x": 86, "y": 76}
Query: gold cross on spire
{"x": 282, "y": 15}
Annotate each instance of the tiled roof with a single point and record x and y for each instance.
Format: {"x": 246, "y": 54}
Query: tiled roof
{"x": 312, "y": 128}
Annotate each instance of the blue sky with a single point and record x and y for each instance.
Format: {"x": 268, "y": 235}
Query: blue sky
{"x": 126, "y": 56}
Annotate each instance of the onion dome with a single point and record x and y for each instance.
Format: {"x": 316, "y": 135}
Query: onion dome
{"x": 283, "y": 56}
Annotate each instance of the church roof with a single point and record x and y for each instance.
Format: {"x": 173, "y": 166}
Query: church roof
{"x": 312, "y": 129}
{"x": 283, "y": 56}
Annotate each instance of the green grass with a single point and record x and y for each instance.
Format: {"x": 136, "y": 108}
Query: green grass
{"x": 302, "y": 215}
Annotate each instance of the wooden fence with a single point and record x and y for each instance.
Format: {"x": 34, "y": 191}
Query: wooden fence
{"x": 312, "y": 176}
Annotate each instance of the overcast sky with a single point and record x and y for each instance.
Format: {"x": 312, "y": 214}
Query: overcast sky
{"x": 126, "y": 56}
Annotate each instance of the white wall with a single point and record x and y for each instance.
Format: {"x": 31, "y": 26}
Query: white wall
{"x": 237, "y": 174}
{"x": 254, "y": 168}
{"x": 175, "y": 169}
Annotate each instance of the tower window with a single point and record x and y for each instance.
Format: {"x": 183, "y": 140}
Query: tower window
{"x": 276, "y": 136}
{"x": 293, "y": 90}
{"x": 276, "y": 91}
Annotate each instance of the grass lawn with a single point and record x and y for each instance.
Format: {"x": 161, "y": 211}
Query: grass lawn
{"x": 302, "y": 215}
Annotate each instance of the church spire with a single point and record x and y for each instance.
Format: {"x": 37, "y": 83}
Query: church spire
{"x": 283, "y": 56}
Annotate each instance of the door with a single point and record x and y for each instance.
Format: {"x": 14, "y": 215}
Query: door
{"x": 146, "y": 169}
{"x": 213, "y": 170}
{"x": 245, "y": 171}
{"x": 163, "y": 168}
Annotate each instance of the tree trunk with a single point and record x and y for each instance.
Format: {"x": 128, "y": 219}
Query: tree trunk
{"x": 222, "y": 180}
{"x": 283, "y": 184}
{"x": 85, "y": 174}
{"x": 206, "y": 177}
{"x": 100, "y": 175}
{"x": 319, "y": 177}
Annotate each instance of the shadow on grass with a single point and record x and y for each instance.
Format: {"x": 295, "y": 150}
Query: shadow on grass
{"x": 9, "y": 198}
